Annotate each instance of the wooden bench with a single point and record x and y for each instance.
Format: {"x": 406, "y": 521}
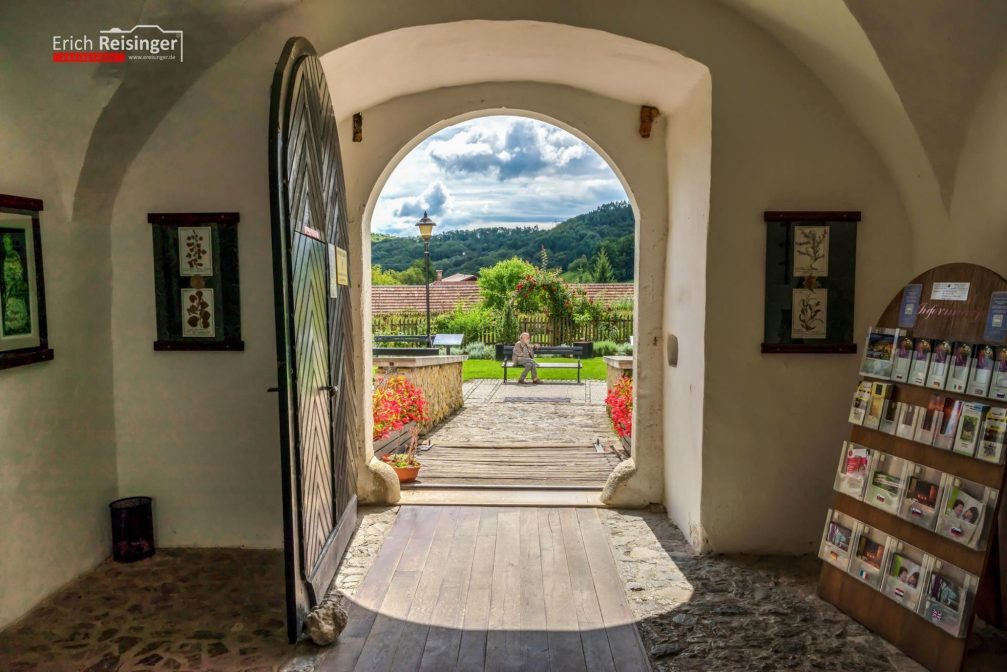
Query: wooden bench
{"x": 546, "y": 351}
{"x": 402, "y": 339}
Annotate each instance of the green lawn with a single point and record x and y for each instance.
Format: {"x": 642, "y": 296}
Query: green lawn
{"x": 594, "y": 369}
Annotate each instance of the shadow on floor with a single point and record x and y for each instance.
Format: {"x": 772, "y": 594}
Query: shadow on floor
{"x": 183, "y": 609}
{"x": 747, "y": 612}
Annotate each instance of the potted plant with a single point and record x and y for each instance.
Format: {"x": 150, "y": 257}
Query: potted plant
{"x": 405, "y": 464}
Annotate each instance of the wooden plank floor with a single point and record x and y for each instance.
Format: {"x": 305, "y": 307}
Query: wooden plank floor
{"x": 472, "y": 589}
{"x": 516, "y": 465}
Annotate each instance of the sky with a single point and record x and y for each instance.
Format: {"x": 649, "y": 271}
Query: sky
{"x": 495, "y": 171}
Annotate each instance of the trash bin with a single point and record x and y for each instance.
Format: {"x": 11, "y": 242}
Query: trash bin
{"x": 132, "y": 529}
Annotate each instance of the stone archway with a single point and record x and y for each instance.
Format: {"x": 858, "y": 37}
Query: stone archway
{"x": 587, "y": 424}
{"x": 608, "y": 125}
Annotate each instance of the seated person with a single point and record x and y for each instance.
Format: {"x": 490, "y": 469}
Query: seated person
{"x": 524, "y": 355}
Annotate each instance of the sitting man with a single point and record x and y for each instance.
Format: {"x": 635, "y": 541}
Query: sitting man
{"x": 524, "y": 355}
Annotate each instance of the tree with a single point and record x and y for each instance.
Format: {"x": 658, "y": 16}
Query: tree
{"x": 380, "y": 276}
{"x": 579, "y": 270}
{"x": 498, "y": 282}
{"x": 603, "y": 267}
{"x": 411, "y": 276}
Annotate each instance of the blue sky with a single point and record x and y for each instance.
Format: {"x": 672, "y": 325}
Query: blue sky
{"x": 495, "y": 171}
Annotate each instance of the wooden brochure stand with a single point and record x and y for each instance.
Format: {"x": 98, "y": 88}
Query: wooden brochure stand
{"x": 914, "y": 635}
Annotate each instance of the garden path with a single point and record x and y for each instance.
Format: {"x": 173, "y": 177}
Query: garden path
{"x": 523, "y": 436}
{"x": 563, "y": 413}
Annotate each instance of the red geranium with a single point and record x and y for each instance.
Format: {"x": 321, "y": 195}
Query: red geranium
{"x": 620, "y": 406}
{"x": 397, "y": 402}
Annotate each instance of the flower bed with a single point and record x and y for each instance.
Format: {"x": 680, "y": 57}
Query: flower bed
{"x": 397, "y": 402}
{"x": 620, "y": 407}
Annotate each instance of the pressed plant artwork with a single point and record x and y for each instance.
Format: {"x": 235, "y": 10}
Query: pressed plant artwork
{"x": 809, "y": 313}
{"x": 811, "y": 250}
{"x": 197, "y": 305}
{"x": 15, "y": 300}
{"x": 195, "y": 250}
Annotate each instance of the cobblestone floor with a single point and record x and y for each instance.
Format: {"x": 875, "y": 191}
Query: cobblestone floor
{"x": 489, "y": 417}
{"x": 183, "y": 609}
{"x": 732, "y": 613}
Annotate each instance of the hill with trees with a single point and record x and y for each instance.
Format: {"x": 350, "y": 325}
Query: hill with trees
{"x": 596, "y": 244}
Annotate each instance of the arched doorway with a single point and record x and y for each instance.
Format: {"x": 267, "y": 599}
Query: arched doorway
{"x": 547, "y": 216}
{"x": 591, "y": 89}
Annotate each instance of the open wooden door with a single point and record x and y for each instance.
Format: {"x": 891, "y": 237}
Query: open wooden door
{"x": 314, "y": 341}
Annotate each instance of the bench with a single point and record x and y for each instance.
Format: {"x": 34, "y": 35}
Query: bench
{"x": 402, "y": 339}
{"x": 546, "y": 351}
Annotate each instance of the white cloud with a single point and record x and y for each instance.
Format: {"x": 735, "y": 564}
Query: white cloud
{"x": 495, "y": 171}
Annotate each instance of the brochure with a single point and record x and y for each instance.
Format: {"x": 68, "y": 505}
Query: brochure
{"x": 869, "y": 555}
{"x": 998, "y": 383}
{"x": 922, "y": 350}
{"x": 994, "y": 436}
{"x": 854, "y": 465}
{"x": 903, "y": 581}
{"x": 903, "y": 360}
{"x": 861, "y": 400}
{"x": 923, "y": 492}
{"x": 945, "y": 437}
{"x": 958, "y": 370}
{"x": 981, "y": 373}
{"x": 948, "y": 597}
{"x": 963, "y": 512}
{"x": 879, "y": 353}
{"x": 969, "y": 426}
{"x": 884, "y": 486}
{"x": 940, "y": 362}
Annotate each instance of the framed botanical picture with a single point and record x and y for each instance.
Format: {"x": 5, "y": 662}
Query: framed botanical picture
{"x": 810, "y": 277}
{"x": 23, "y": 334}
{"x": 196, "y": 286}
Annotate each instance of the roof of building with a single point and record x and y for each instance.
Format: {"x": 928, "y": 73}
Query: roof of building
{"x": 460, "y": 277}
{"x": 444, "y": 296}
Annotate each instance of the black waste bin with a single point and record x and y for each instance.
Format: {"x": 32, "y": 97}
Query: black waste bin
{"x": 132, "y": 529}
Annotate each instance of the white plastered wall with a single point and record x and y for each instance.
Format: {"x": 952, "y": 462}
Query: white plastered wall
{"x": 57, "y": 448}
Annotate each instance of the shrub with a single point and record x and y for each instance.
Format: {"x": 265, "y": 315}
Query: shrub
{"x": 478, "y": 350}
{"x": 397, "y": 402}
{"x": 469, "y": 321}
{"x": 498, "y": 282}
{"x": 624, "y": 349}
{"x": 604, "y": 348}
{"x": 620, "y": 406}
{"x": 507, "y": 322}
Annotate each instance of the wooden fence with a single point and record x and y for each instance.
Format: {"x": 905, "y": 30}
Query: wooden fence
{"x": 541, "y": 330}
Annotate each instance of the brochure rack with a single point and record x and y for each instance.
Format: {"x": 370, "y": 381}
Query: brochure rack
{"x": 956, "y": 320}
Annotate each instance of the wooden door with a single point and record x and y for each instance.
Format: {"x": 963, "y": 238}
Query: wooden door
{"x": 314, "y": 342}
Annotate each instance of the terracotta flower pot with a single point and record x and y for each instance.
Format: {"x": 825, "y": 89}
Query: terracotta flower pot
{"x": 405, "y": 474}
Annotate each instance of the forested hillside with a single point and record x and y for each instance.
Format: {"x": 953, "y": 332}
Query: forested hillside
{"x": 573, "y": 246}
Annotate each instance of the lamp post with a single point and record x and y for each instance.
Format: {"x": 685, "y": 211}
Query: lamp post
{"x": 426, "y": 227}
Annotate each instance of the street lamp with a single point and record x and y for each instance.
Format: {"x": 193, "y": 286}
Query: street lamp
{"x": 426, "y": 227}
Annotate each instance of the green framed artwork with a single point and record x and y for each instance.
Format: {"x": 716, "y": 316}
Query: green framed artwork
{"x": 811, "y": 262}
{"x": 196, "y": 287}
{"x": 23, "y": 332}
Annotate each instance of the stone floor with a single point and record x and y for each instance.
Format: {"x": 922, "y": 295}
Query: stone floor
{"x": 489, "y": 417}
{"x": 727, "y": 613}
{"x": 212, "y": 610}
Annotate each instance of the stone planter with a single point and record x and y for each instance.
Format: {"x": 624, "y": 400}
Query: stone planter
{"x": 394, "y": 441}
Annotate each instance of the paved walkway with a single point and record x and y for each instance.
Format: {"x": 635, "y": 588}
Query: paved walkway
{"x": 469, "y": 588}
{"x": 559, "y": 413}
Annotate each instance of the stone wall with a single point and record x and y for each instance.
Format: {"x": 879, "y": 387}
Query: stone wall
{"x": 439, "y": 377}
{"x": 616, "y": 368}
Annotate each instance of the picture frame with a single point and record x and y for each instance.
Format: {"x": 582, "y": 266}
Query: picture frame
{"x": 24, "y": 337}
{"x": 810, "y": 281}
{"x": 196, "y": 281}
